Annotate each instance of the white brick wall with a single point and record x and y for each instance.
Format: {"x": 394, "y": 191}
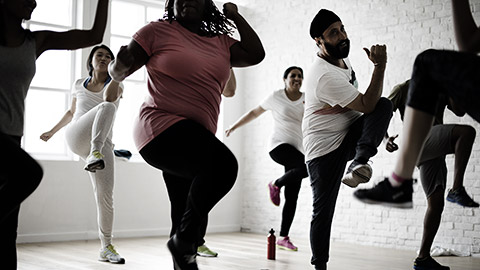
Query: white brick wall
{"x": 407, "y": 27}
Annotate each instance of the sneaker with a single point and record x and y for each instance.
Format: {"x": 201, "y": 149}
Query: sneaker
{"x": 274, "y": 193}
{"x": 95, "y": 162}
{"x": 357, "y": 174}
{"x": 383, "y": 193}
{"x": 182, "y": 260}
{"x": 204, "y": 251}
{"x": 428, "y": 264}
{"x": 286, "y": 244}
{"x": 461, "y": 197}
{"x": 109, "y": 254}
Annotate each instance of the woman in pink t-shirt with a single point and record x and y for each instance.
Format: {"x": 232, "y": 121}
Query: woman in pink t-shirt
{"x": 188, "y": 56}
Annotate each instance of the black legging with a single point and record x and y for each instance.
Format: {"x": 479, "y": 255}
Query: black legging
{"x": 295, "y": 170}
{"x": 20, "y": 175}
{"x": 199, "y": 170}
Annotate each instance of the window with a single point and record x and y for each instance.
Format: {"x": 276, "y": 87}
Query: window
{"x": 49, "y": 93}
{"x": 138, "y": 13}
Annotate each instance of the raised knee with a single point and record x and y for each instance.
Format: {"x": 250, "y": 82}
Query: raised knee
{"x": 470, "y": 132}
{"x": 385, "y": 105}
{"x": 35, "y": 176}
{"x": 108, "y": 106}
{"x": 427, "y": 54}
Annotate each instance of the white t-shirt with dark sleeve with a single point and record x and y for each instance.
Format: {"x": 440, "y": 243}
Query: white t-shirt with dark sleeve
{"x": 326, "y": 122}
{"x": 287, "y": 116}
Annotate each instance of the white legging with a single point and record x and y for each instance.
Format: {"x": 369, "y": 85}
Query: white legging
{"x": 92, "y": 131}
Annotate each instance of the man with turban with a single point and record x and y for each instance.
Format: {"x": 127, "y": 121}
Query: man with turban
{"x": 340, "y": 124}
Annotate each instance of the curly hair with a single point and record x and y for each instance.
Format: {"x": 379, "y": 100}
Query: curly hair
{"x": 214, "y": 23}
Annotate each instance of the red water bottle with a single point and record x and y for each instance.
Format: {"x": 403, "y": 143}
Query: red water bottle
{"x": 271, "y": 245}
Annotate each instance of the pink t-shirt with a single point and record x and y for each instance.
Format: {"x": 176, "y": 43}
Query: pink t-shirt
{"x": 186, "y": 77}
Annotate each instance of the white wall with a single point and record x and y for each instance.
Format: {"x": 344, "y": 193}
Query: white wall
{"x": 63, "y": 206}
{"x": 407, "y": 27}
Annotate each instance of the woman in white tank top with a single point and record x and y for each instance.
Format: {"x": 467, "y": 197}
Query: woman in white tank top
{"x": 89, "y": 134}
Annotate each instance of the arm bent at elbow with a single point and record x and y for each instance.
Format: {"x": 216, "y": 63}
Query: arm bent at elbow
{"x": 467, "y": 33}
{"x": 231, "y": 86}
{"x": 249, "y": 51}
{"x": 74, "y": 39}
{"x": 129, "y": 59}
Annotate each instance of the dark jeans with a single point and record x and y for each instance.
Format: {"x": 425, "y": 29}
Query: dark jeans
{"x": 295, "y": 170}
{"x": 451, "y": 73}
{"x": 199, "y": 170}
{"x": 20, "y": 175}
{"x": 326, "y": 172}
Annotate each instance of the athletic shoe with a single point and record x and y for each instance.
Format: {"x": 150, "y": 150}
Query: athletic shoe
{"x": 274, "y": 193}
{"x": 182, "y": 260}
{"x": 286, "y": 244}
{"x": 357, "y": 174}
{"x": 95, "y": 162}
{"x": 109, "y": 254}
{"x": 204, "y": 251}
{"x": 428, "y": 264}
{"x": 461, "y": 197}
{"x": 383, "y": 193}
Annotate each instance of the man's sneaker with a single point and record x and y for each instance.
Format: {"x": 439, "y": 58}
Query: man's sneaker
{"x": 428, "y": 264}
{"x": 109, "y": 254}
{"x": 461, "y": 197}
{"x": 274, "y": 193}
{"x": 182, "y": 260}
{"x": 204, "y": 251}
{"x": 286, "y": 244}
{"x": 383, "y": 193}
{"x": 95, "y": 162}
{"x": 357, "y": 174}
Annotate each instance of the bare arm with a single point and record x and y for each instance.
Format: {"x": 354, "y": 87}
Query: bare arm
{"x": 113, "y": 91}
{"x": 246, "y": 118}
{"x": 129, "y": 59}
{"x": 467, "y": 33}
{"x": 366, "y": 102}
{"x": 67, "y": 118}
{"x": 231, "y": 86}
{"x": 249, "y": 51}
{"x": 75, "y": 39}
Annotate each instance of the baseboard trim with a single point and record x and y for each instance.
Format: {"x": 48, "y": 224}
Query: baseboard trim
{"x": 92, "y": 235}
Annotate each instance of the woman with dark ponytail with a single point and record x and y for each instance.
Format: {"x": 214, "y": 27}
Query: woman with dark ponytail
{"x": 90, "y": 118}
{"x": 188, "y": 56}
{"x": 20, "y": 174}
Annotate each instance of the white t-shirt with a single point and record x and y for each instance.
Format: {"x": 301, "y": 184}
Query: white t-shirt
{"x": 326, "y": 121}
{"x": 287, "y": 117}
{"x": 87, "y": 99}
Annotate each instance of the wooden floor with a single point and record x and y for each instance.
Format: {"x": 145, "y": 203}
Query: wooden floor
{"x": 236, "y": 251}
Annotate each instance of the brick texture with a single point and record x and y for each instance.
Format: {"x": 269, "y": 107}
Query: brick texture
{"x": 407, "y": 27}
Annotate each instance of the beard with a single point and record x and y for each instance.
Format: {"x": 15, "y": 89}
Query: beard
{"x": 337, "y": 51}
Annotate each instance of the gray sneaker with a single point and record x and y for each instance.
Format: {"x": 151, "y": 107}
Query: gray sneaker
{"x": 357, "y": 174}
{"x": 109, "y": 254}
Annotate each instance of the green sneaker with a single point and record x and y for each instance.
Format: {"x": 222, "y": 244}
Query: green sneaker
{"x": 204, "y": 251}
{"x": 109, "y": 254}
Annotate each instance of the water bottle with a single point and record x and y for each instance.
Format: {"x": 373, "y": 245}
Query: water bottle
{"x": 271, "y": 245}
